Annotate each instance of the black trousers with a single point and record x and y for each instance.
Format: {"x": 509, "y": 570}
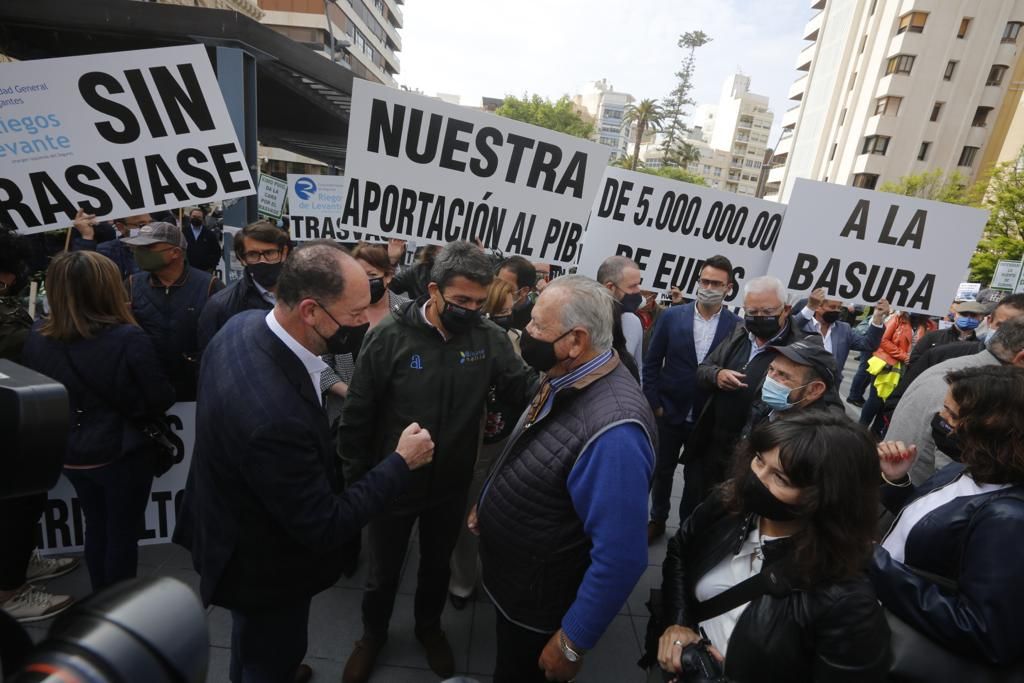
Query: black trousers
{"x": 518, "y": 650}
{"x": 268, "y": 645}
{"x": 388, "y": 541}
{"x": 671, "y": 439}
{"x": 18, "y": 520}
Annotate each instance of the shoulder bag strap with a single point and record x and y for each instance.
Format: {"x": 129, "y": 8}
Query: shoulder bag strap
{"x": 771, "y": 580}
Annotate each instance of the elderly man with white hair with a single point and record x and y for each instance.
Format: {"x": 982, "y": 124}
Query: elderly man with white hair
{"x": 562, "y": 516}
{"x": 733, "y": 373}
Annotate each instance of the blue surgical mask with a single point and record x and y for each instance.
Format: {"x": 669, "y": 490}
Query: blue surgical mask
{"x": 967, "y": 323}
{"x": 776, "y": 394}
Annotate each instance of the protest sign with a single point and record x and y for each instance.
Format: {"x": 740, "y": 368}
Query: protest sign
{"x": 422, "y": 169}
{"x": 62, "y": 525}
{"x": 315, "y": 207}
{"x": 862, "y": 246}
{"x": 1006, "y": 275}
{"x": 967, "y": 291}
{"x": 271, "y": 195}
{"x": 116, "y": 134}
{"x": 669, "y": 227}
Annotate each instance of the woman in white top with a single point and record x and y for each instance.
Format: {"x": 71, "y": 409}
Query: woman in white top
{"x": 952, "y": 565}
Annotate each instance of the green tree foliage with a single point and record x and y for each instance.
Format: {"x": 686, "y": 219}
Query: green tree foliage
{"x": 675, "y": 173}
{"x": 559, "y": 115}
{"x": 674, "y": 106}
{"x": 645, "y": 116}
{"x": 953, "y": 188}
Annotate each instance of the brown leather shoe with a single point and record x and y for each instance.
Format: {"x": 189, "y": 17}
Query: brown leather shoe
{"x": 360, "y": 663}
{"x": 303, "y": 674}
{"x": 439, "y": 652}
{"x": 655, "y": 530}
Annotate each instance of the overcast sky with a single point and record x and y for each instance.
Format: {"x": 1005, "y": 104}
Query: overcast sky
{"x": 494, "y": 48}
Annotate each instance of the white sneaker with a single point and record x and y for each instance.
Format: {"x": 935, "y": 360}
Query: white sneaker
{"x": 41, "y": 568}
{"x": 31, "y": 604}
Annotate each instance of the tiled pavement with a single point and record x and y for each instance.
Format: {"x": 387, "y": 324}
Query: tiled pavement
{"x": 334, "y": 622}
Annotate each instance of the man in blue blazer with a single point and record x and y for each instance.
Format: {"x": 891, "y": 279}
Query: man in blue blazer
{"x": 821, "y": 315}
{"x": 683, "y": 336}
{"x": 262, "y": 513}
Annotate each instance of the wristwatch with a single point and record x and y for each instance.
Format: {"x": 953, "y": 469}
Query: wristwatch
{"x": 568, "y": 652}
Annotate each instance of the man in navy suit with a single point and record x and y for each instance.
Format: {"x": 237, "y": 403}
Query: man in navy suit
{"x": 262, "y": 513}
{"x": 683, "y": 336}
{"x": 821, "y": 315}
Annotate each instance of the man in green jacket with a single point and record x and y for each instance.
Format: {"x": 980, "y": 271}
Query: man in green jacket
{"x": 431, "y": 362}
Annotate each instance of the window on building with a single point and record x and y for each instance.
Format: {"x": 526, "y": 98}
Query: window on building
{"x": 863, "y": 43}
{"x": 832, "y": 154}
{"x": 865, "y": 180}
{"x": 888, "y": 105}
{"x": 853, "y": 80}
{"x": 842, "y": 117}
{"x": 981, "y": 117}
{"x": 875, "y": 144}
{"x": 965, "y": 23}
{"x": 873, "y": 4}
{"x": 996, "y": 73}
{"x": 707, "y": 168}
{"x": 899, "y": 64}
{"x": 950, "y": 70}
{"x": 913, "y": 22}
{"x": 922, "y": 153}
{"x": 967, "y": 156}
{"x": 1011, "y": 31}
{"x": 936, "y": 111}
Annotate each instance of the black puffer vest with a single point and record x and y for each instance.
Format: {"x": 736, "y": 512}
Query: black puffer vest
{"x": 532, "y": 543}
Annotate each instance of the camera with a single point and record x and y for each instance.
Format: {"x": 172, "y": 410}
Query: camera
{"x": 699, "y": 665}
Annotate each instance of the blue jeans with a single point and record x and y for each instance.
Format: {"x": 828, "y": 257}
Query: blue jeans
{"x": 114, "y": 499}
{"x": 267, "y": 645}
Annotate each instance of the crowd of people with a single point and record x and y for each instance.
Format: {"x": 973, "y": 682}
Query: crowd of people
{"x": 528, "y": 429}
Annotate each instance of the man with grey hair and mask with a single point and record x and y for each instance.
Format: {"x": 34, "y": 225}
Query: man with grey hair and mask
{"x": 565, "y": 506}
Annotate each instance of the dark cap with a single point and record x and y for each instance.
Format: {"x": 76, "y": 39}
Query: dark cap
{"x": 157, "y": 233}
{"x": 810, "y": 351}
{"x": 970, "y": 307}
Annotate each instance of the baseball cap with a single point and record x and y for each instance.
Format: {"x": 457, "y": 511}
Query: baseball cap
{"x": 970, "y": 307}
{"x": 811, "y": 352}
{"x": 157, "y": 233}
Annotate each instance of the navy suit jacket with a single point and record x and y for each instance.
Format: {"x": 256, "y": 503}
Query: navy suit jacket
{"x": 261, "y": 512}
{"x": 670, "y": 362}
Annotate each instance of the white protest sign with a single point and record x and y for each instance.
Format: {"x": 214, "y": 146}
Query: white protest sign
{"x": 271, "y": 195}
{"x": 862, "y": 246}
{"x": 62, "y": 525}
{"x": 967, "y": 291}
{"x": 117, "y": 134}
{"x": 425, "y": 170}
{"x": 669, "y": 228}
{"x": 1006, "y": 275}
{"x": 315, "y": 206}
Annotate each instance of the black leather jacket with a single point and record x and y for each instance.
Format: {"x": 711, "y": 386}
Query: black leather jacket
{"x": 833, "y": 633}
{"x": 974, "y": 542}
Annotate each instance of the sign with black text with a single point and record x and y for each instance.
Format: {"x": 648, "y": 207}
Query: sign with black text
{"x": 425, "y": 170}
{"x": 117, "y": 134}
{"x": 315, "y": 207}
{"x": 862, "y": 246}
{"x": 669, "y": 228}
{"x": 62, "y": 525}
{"x": 271, "y": 195}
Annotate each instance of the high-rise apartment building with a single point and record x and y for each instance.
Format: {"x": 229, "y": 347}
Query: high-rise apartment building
{"x": 599, "y": 103}
{"x": 891, "y": 88}
{"x": 250, "y": 8}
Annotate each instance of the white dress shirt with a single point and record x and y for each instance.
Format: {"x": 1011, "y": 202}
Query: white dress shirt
{"x": 704, "y": 333}
{"x": 312, "y": 362}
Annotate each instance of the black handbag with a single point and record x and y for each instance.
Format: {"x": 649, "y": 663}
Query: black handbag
{"x": 156, "y": 434}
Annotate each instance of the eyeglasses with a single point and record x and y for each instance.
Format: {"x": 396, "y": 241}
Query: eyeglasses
{"x": 712, "y": 284}
{"x": 267, "y": 256}
{"x": 764, "y": 312}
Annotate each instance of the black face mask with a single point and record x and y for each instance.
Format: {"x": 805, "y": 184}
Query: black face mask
{"x": 265, "y": 274}
{"x": 631, "y": 302}
{"x": 945, "y": 438}
{"x": 21, "y": 280}
{"x": 762, "y": 326}
{"x": 196, "y": 222}
{"x": 539, "y": 355}
{"x": 458, "y": 319}
{"x": 830, "y": 317}
{"x": 521, "y": 314}
{"x": 377, "y": 289}
{"x": 346, "y": 339}
{"x": 503, "y": 321}
{"x": 758, "y": 499}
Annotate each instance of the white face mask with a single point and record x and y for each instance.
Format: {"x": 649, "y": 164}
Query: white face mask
{"x": 134, "y": 232}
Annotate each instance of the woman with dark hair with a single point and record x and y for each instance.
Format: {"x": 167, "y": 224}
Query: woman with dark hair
{"x": 791, "y": 532}
{"x": 92, "y": 345}
{"x": 951, "y": 566}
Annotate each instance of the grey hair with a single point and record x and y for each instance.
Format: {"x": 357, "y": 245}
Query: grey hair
{"x": 765, "y": 283}
{"x": 461, "y": 259}
{"x": 611, "y": 269}
{"x": 587, "y": 304}
{"x": 1008, "y": 340}
{"x": 312, "y": 271}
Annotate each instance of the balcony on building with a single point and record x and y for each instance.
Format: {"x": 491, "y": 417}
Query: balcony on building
{"x": 796, "y": 91}
{"x": 813, "y": 26}
{"x": 803, "y": 60}
{"x": 776, "y": 174}
{"x": 818, "y": 4}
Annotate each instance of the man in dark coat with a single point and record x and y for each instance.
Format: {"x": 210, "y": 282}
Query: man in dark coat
{"x": 261, "y": 513}
{"x": 204, "y": 250}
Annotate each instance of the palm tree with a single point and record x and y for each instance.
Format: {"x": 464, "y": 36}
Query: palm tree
{"x": 646, "y": 116}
